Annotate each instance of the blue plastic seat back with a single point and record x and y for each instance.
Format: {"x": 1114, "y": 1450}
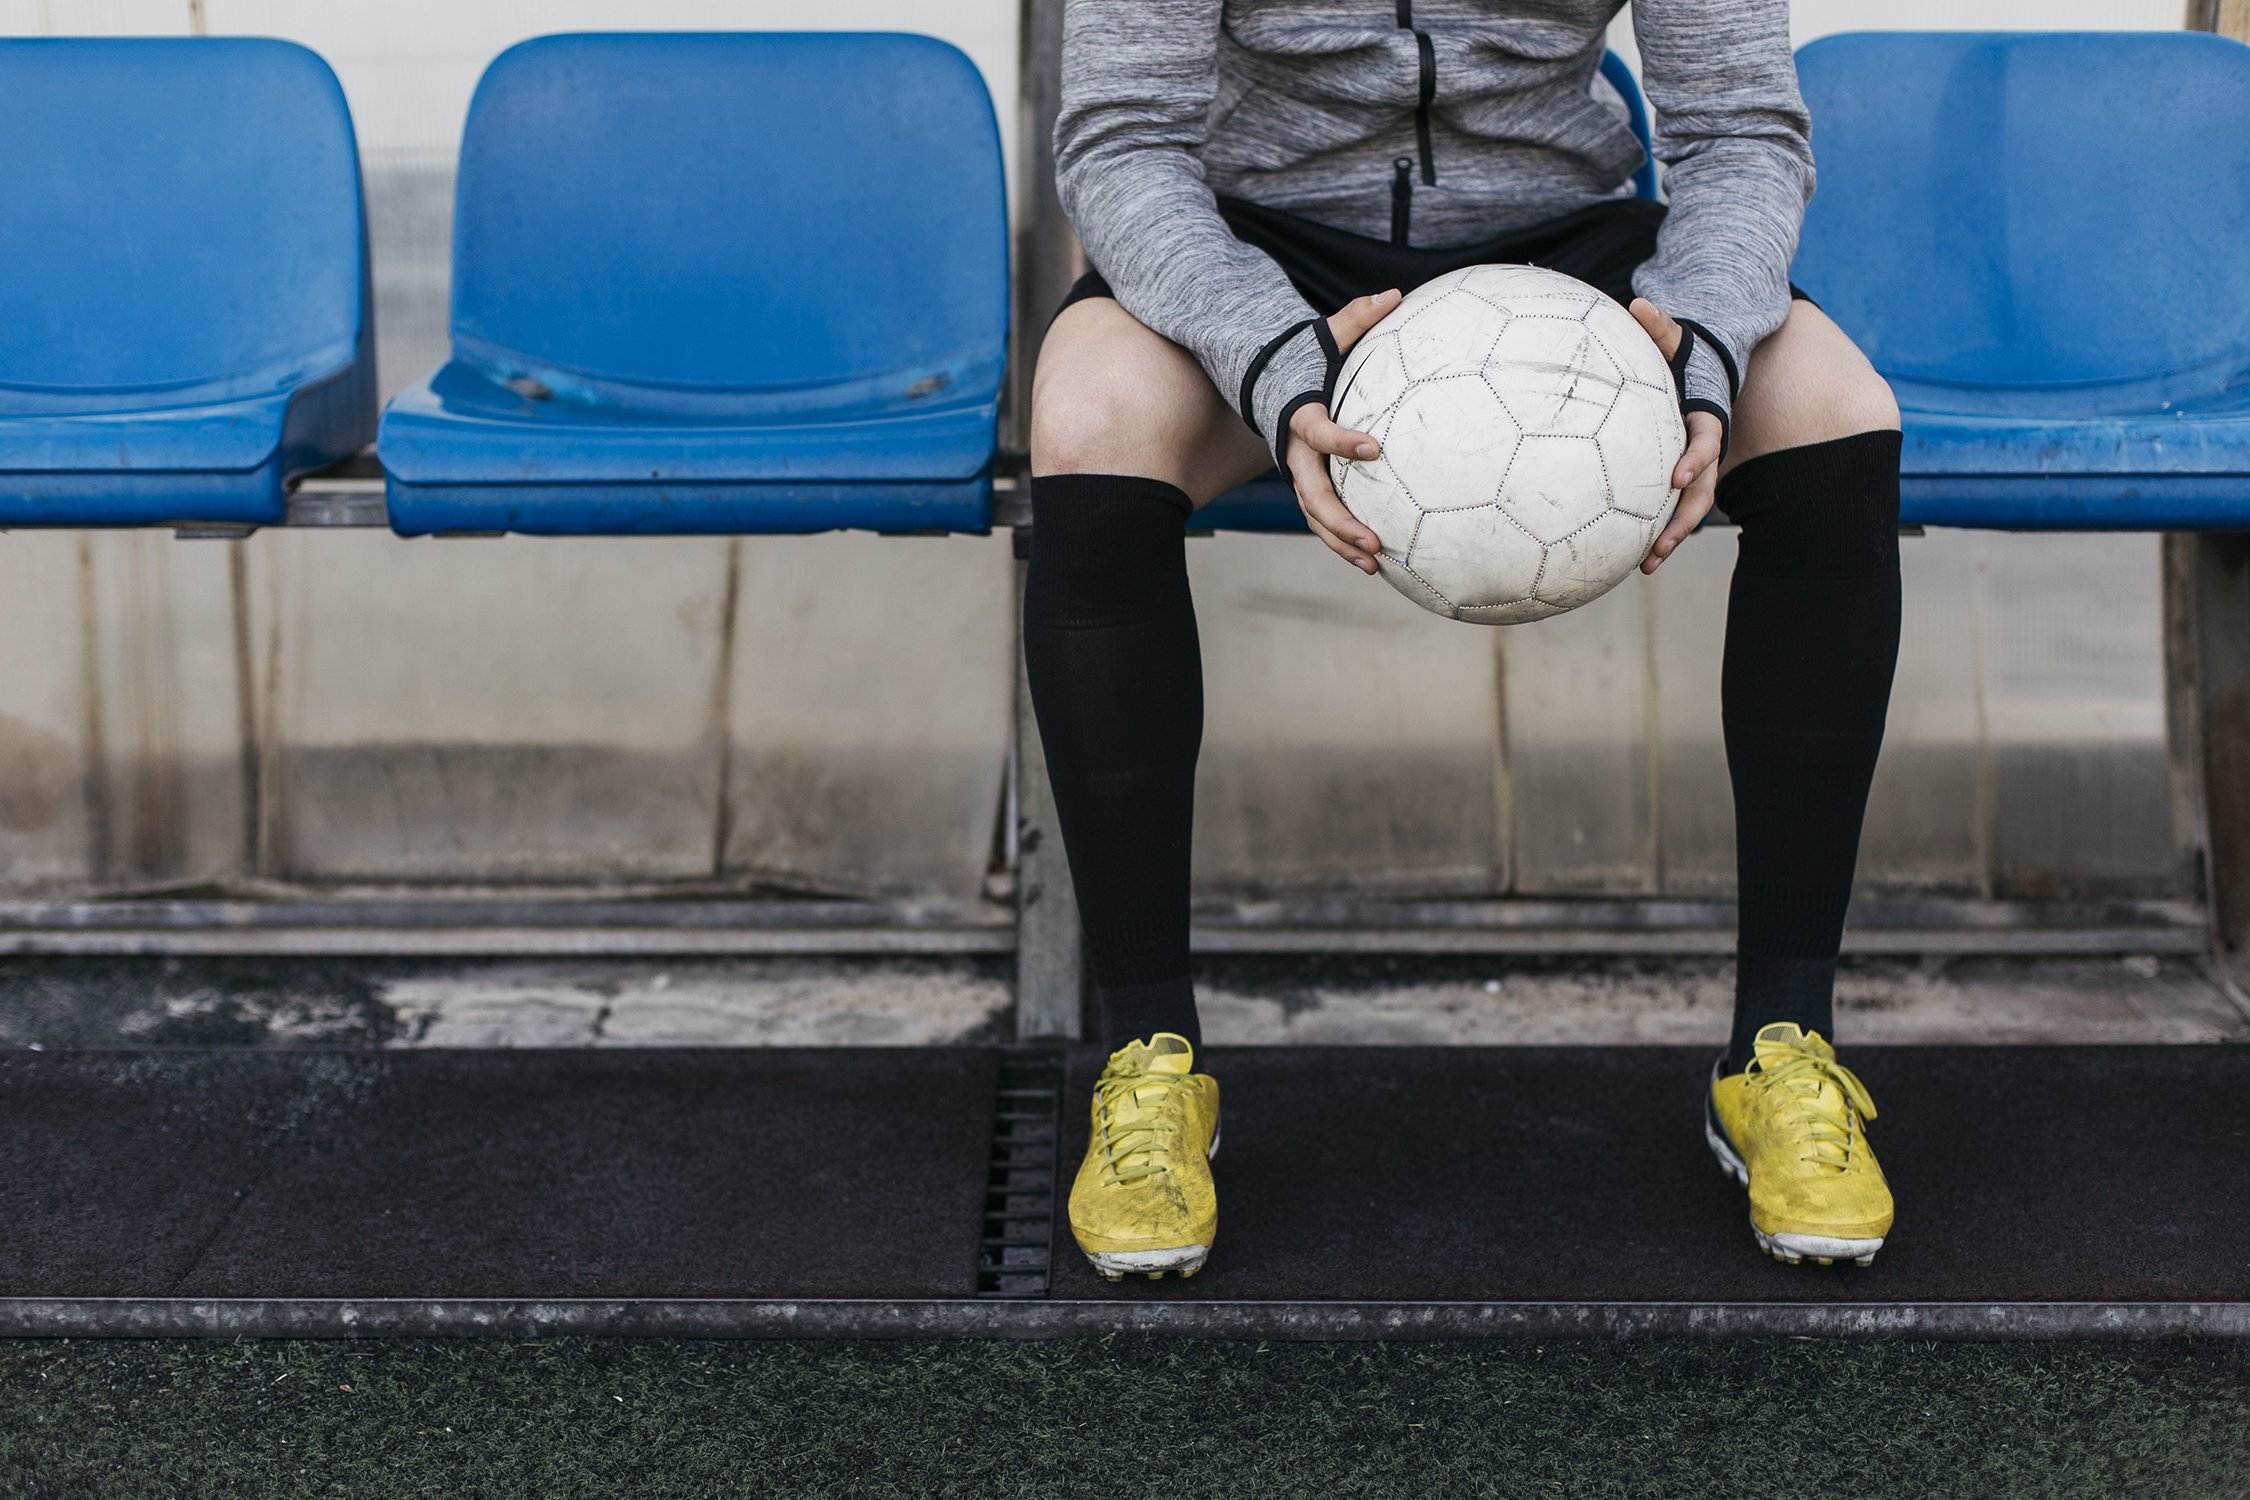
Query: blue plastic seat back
{"x": 734, "y": 225}
{"x": 2050, "y": 223}
{"x": 180, "y": 223}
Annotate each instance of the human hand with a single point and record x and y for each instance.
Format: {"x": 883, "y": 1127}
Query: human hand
{"x": 1317, "y": 438}
{"x": 1696, "y": 476}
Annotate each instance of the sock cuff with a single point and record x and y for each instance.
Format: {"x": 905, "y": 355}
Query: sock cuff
{"x": 1049, "y": 491}
{"x": 1819, "y": 510}
{"x": 1136, "y": 1012}
{"x": 1104, "y": 547}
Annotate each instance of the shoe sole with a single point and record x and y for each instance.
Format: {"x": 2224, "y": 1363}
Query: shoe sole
{"x": 1185, "y": 1260}
{"x": 1791, "y": 1249}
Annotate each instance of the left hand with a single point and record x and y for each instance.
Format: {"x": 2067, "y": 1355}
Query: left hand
{"x": 1696, "y": 476}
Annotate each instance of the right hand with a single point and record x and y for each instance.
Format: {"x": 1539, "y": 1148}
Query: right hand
{"x": 1316, "y": 439}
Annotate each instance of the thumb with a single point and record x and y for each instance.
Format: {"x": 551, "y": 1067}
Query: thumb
{"x": 1360, "y": 314}
{"x": 1658, "y": 324}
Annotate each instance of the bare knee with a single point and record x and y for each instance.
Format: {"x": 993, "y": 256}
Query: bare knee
{"x": 1110, "y": 397}
{"x": 1808, "y": 383}
{"x": 1082, "y": 424}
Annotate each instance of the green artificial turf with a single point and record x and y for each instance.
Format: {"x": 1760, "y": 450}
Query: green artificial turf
{"x": 1122, "y": 1417}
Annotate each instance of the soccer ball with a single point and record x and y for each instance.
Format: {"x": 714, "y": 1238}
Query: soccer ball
{"x": 1529, "y": 430}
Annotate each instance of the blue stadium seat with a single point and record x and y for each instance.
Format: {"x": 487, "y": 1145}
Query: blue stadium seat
{"x": 1268, "y": 503}
{"x": 717, "y": 283}
{"x": 184, "y": 318}
{"x": 2040, "y": 239}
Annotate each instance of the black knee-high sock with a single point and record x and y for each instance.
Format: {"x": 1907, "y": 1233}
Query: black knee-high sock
{"x": 1812, "y": 642}
{"x": 1116, "y": 679}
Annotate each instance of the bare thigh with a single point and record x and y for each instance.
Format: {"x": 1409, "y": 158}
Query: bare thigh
{"x": 1808, "y": 383}
{"x": 1111, "y": 397}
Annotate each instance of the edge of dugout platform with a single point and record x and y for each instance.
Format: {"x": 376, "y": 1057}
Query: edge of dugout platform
{"x": 161, "y": 1317}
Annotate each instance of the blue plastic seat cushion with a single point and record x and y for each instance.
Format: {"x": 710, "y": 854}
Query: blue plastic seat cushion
{"x": 462, "y": 427}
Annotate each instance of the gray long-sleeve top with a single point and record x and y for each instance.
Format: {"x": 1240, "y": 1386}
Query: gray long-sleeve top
{"x": 1424, "y": 122}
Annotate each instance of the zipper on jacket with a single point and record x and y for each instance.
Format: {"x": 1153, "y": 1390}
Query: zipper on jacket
{"x": 1402, "y": 198}
{"x": 1428, "y": 93}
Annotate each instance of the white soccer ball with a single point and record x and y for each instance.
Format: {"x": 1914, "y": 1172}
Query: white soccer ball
{"x": 1529, "y": 430}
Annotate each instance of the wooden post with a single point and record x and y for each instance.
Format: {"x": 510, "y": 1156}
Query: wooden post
{"x": 1050, "y": 983}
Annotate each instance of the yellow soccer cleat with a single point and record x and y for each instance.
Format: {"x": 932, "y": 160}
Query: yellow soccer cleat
{"x": 1144, "y": 1202}
{"x": 1792, "y": 1128}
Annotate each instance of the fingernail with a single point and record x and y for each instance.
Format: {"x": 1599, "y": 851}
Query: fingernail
{"x": 1366, "y": 450}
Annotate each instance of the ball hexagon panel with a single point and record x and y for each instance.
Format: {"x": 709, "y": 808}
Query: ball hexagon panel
{"x": 1588, "y": 563}
{"x": 1476, "y": 557}
{"x": 1515, "y": 612}
{"x": 1402, "y": 577}
{"x": 1641, "y": 441}
{"x": 1372, "y": 493}
{"x": 1510, "y": 284}
{"x": 1370, "y": 382}
{"x": 1555, "y": 485}
{"x": 1571, "y": 306}
{"x": 1448, "y": 335}
{"x": 1449, "y": 443}
{"x": 1553, "y": 376}
{"x": 1438, "y": 286}
{"x": 1623, "y": 335}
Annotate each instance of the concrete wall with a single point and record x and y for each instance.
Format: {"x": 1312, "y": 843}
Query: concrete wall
{"x": 833, "y": 712}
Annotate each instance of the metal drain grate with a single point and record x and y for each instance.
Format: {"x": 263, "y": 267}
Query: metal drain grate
{"x": 1019, "y": 1199}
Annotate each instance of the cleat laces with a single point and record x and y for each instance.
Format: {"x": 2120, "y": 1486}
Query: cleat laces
{"x": 1140, "y": 1124}
{"x": 1820, "y": 1097}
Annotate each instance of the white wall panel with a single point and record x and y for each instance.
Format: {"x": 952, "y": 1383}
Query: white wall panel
{"x": 1695, "y": 799}
{"x": 1350, "y": 737}
{"x": 49, "y": 707}
{"x": 506, "y": 710}
{"x": 1579, "y": 700}
{"x": 871, "y": 710}
{"x": 1929, "y": 814}
{"x": 94, "y": 17}
{"x": 173, "y": 787}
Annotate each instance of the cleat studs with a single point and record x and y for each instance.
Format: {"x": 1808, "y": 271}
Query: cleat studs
{"x": 1113, "y": 1275}
{"x": 1156, "y": 1275}
{"x": 1187, "y": 1271}
{"x": 1864, "y": 1260}
{"x": 1826, "y": 1260}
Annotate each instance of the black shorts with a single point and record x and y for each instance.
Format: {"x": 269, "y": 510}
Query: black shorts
{"x": 1601, "y": 244}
